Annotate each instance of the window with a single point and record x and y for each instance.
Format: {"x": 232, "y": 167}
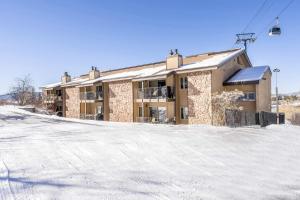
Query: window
{"x": 153, "y": 112}
{"x": 99, "y": 109}
{"x": 248, "y": 96}
{"x": 251, "y": 96}
{"x": 183, "y": 83}
{"x": 99, "y": 88}
{"x": 140, "y": 112}
{"x": 184, "y": 113}
{"x": 141, "y": 84}
{"x": 58, "y": 92}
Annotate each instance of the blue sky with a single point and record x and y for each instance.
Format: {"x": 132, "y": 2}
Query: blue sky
{"x": 45, "y": 38}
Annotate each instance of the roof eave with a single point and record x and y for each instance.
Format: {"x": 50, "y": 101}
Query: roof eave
{"x": 238, "y": 53}
{"x": 196, "y": 69}
{"x": 241, "y": 83}
{"x": 117, "y": 79}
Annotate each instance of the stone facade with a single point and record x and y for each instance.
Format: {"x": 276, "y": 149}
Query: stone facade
{"x": 199, "y": 97}
{"x": 72, "y": 102}
{"x": 121, "y": 101}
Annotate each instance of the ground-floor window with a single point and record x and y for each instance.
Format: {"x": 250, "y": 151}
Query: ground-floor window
{"x": 184, "y": 114}
{"x": 248, "y": 96}
{"x": 158, "y": 113}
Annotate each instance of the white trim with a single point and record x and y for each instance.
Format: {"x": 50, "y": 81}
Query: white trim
{"x": 149, "y": 78}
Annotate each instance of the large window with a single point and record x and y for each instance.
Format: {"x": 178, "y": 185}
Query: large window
{"x": 184, "y": 113}
{"x": 183, "y": 83}
{"x": 248, "y": 96}
{"x": 158, "y": 114}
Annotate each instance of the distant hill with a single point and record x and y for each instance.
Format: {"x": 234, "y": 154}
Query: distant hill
{"x": 288, "y": 94}
{"x": 5, "y": 97}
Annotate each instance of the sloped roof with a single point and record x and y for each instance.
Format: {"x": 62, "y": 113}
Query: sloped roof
{"x": 247, "y": 75}
{"x": 75, "y": 81}
{"x": 53, "y": 85}
{"x": 213, "y": 60}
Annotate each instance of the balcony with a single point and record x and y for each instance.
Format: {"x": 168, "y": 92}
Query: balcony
{"x": 165, "y": 93}
{"x": 91, "y": 96}
{"x": 52, "y": 98}
{"x": 91, "y": 116}
{"x": 155, "y": 120}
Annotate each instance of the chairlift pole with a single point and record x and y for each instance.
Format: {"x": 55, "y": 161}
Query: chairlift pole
{"x": 276, "y": 70}
{"x": 245, "y": 38}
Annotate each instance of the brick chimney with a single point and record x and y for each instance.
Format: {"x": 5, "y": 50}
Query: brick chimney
{"x": 65, "y": 78}
{"x": 94, "y": 73}
{"x": 174, "y": 60}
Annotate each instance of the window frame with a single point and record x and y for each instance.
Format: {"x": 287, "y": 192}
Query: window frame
{"x": 183, "y": 115}
{"x": 246, "y": 96}
{"x": 183, "y": 83}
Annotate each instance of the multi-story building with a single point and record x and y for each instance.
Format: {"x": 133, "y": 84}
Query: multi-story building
{"x": 178, "y": 90}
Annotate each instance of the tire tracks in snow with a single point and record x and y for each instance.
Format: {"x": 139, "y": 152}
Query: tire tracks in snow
{"x": 5, "y": 184}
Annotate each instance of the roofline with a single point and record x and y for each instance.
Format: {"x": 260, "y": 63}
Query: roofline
{"x": 247, "y": 57}
{"x": 196, "y": 69}
{"x": 134, "y": 66}
{"x": 241, "y": 83}
{"x": 213, "y": 52}
{"x": 162, "y": 62}
{"x": 49, "y": 88}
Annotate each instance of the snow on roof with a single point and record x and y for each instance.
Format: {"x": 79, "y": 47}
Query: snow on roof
{"x": 75, "y": 81}
{"x": 128, "y": 75}
{"x": 249, "y": 74}
{"x": 52, "y": 85}
{"x": 212, "y": 61}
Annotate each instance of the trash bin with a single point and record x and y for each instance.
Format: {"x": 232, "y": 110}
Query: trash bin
{"x": 281, "y": 118}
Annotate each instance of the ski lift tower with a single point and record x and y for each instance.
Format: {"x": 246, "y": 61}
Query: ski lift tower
{"x": 245, "y": 38}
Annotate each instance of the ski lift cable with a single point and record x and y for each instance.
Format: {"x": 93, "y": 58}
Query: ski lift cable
{"x": 255, "y": 15}
{"x": 260, "y": 9}
{"x": 277, "y": 16}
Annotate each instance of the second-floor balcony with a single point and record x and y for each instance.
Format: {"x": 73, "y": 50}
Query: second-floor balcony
{"x": 91, "y": 96}
{"x": 156, "y": 93}
{"x": 51, "y": 98}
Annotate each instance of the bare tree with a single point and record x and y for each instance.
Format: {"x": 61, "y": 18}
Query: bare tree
{"x": 22, "y": 91}
{"x": 225, "y": 100}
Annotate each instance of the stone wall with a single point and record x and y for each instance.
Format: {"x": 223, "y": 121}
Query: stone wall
{"x": 120, "y": 101}
{"x": 72, "y": 100}
{"x": 199, "y": 97}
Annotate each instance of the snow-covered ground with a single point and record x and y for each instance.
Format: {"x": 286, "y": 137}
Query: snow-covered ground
{"x": 44, "y": 157}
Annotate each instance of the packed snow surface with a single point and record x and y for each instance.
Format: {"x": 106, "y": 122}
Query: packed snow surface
{"x": 50, "y": 158}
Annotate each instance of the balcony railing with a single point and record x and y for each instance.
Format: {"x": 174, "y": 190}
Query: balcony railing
{"x": 88, "y": 116}
{"x": 91, "y": 116}
{"x": 155, "y": 120}
{"x": 91, "y": 95}
{"x": 52, "y": 97}
{"x": 165, "y": 92}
